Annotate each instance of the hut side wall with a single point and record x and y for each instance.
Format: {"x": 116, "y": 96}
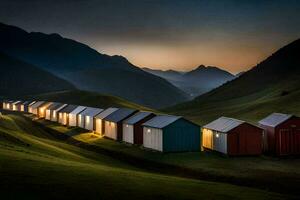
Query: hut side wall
{"x": 48, "y": 114}
{"x": 128, "y": 133}
{"x": 98, "y": 126}
{"x": 153, "y": 138}
{"x": 72, "y": 119}
{"x": 111, "y": 130}
{"x": 245, "y": 139}
{"x": 89, "y": 123}
{"x": 80, "y": 121}
{"x": 138, "y": 130}
{"x": 181, "y": 136}
{"x": 287, "y": 137}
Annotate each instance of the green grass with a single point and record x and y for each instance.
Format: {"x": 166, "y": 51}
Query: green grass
{"x": 35, "y": 165}
{"x": 276, "y": 174}
{"x": 92, "y": 99}
{"x": 250, "y": 107}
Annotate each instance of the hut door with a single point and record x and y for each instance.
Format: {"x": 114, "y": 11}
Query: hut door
{"x": 296, "y": 141}
{"x": 285, "y": 141}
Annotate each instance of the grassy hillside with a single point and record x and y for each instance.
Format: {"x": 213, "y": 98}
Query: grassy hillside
{"x": 35, "y": 166}
{"x": 92, "y": 99}
{"x": 272, "y": 174}
{"x": 271, "y": 86}
{"x": 19, "y": 78}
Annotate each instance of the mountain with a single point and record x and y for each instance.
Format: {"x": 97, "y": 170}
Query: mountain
{"x": 271, "y": 86}
{"x": 197, "y": 81}
{"x": 88, "y": 69}
{"x": 170, "y": 75}
{"x": 19, "y": 78}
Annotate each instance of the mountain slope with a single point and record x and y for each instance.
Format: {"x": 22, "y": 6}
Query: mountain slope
{"x": 20, "y": 78}
{"x": 88, "y": 69}
{"x": 271, "y": 86}
{"x": 87, "y": 99}
{"x": 197, "y": 81}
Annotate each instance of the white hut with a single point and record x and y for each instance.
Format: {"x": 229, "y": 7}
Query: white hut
{"x": 54, "y": 116}
{"x": 63, "y": 114}
{"x": 14, "y": 105}
{"x": 113, "y": 123}
{"x": 132, "y": 127}
{"x": 86, "y": 118}
{"x": 73, "y": 116}
{"x": 50, "y": 109}
{"x": 34, "y": 107}
{"x": 99, "y": 124}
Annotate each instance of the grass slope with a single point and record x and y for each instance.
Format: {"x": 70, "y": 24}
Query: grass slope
{"x": 92, "y": 99}
{"x": 272, "y": 174}
{"x": 35, "y": 166}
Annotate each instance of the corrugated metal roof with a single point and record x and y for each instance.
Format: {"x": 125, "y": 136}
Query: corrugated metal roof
{"x": 89, "y": 111}
{"x": 275, "y": 119}
{"x": 54, "y": 106}
{"x": 61, "y": 107}
{"x": 119, "y": 115}
{"x": 161, "y": 121}
{"x": 137, "y": 117}
{"x": 27, "y": 102}
{"x": 18, "y": 103}
{"x": 68, "y": 109}
{"x": 37, "y": 104}
{"x": 105, "y": 113}
{"x": 79, "y": 109}
{"x": 33, "y": 102}
{"x": 224, "y": 124}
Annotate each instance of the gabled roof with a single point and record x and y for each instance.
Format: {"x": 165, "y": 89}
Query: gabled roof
{"x": 224, "y": 124}
{"x": 78, "y": 110}
{"x": 137, "y": 117}
{"x": 62, "y": 106}
{"x": 161, "y": 121}
{"x": 27, "y": 102}
{"x": 46, "y": 104}
{"x": 275, "y": 119}
{"x": 37, "y": 104}
{"x": 54, "y": 106}
{"x": 18, "y": 103}
{"x": 89, "y": 111}
{"x": 120, "y": 115}
{"x": 105, "y": 113}
{"x": 33, "y": 102}
{"x": 68, "y": 109}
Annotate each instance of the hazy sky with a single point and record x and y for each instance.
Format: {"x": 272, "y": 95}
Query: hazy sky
{"x": 166, "y": 34}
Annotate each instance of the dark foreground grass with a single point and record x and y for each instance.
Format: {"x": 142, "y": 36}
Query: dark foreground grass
{"x": 264, "y": 172}
{"x": 35, "y": 165}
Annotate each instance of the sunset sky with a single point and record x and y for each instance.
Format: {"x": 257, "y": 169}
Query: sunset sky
{"x": 166, "y": 34}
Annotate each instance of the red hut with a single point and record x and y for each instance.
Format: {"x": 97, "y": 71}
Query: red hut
{"x": 232, "y": 137}
{"x": 282, "y": 134}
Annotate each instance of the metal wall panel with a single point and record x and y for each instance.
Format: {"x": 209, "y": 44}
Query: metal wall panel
{"x": 153, "y": 138}
{"x": 128, "y": 133}
{"x": 111, "y": 130}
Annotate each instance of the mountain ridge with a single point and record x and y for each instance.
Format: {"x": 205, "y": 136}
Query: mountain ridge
{"x": 73, "y": 61}
{"x": 196, "y": 81}
{"x": 271, "y": 86}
